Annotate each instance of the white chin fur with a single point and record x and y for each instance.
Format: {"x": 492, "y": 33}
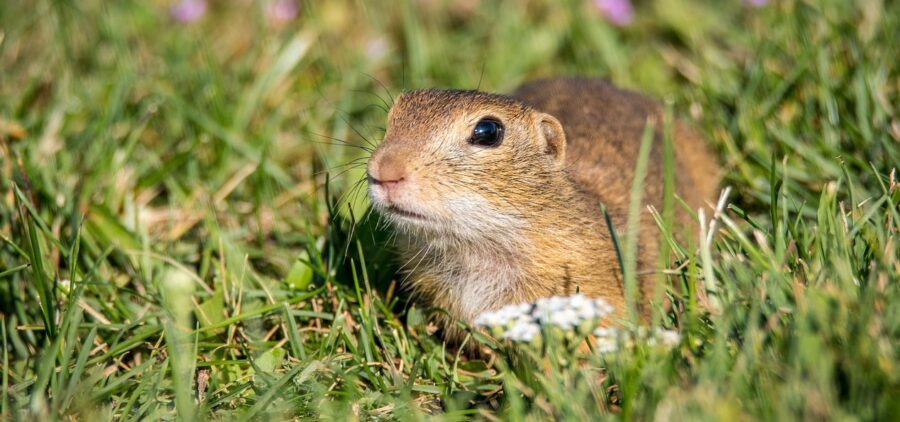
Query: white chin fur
{"x": 465, "y": 218}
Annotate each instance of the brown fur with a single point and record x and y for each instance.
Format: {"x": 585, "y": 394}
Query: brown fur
{"x": 522, "y": 221}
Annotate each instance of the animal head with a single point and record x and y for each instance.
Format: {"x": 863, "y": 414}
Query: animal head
{"x": 465, "y": 163}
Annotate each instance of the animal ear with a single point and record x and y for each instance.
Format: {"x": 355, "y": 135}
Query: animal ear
{"x": 554, "y": 137}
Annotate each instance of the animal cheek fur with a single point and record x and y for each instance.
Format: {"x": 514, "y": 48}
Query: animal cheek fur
{"x": 428, "y": 192}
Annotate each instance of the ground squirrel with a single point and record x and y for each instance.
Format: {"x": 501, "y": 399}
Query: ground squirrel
{"x": 496, "y": 199}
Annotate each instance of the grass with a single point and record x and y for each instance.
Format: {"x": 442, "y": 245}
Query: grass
{"x": 180, "y": 208}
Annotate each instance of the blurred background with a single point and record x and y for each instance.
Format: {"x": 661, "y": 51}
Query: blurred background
{"x": 154, "y": 115}
{"x": 157, "y": 112}
{"x": 227, "y": 140}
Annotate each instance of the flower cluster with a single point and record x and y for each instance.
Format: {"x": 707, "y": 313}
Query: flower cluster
{"x": 621, "y": 12}
{"x": 578, "y": 313}
{"x": 523, "y": 322}
{"x": 186, "y": 11}
{"x": 617, "y": 12}
{"x": 278, "y": 12}
{"x": 609, "y": 339}
{"x": 570, "y": 312}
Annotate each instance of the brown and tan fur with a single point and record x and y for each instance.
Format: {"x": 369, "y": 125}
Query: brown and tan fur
{"x": 481, "y": 228}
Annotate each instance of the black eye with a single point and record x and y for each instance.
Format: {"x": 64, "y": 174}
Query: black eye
{"x": 488, "y": 132}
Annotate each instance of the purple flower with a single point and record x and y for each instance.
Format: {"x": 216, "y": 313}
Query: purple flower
{"x": 617, "y": 12}
{"x": 187, "y": 11}
{"x": 756, "y": 3}
{"x": 282, "y": 11}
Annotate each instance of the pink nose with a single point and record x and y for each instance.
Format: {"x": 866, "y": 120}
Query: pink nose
{"x": 386, "y": 170}
{"x": 384, "y": 182}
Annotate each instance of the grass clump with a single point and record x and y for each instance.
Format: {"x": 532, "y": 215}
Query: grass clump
{"x": 183, "y": 233}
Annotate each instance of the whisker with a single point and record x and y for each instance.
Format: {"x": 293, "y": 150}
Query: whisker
{"x": 386, "y": 90}
{"x": 360, "y": 161}
{"x": 368, "y": 142}
{"x": 342, "y": 143}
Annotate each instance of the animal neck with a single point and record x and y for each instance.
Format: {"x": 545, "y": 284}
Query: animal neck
{"x": 571, "y": 252}
{"x": 554, "y": 251}
{"x": 464, "y": 277}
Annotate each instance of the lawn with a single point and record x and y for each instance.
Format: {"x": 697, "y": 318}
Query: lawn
{"x": 184, "y": 231}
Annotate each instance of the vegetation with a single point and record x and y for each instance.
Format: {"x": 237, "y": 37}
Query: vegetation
{"x": 183, "y": 228}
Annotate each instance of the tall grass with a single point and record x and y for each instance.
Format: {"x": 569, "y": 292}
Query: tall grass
{"x": 183, "y": 233}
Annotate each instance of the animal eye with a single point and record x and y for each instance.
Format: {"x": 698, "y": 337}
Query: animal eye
{"x": 488, "y": 132}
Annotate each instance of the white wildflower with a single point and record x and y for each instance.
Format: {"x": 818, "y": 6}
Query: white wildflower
{"x": 606, "y": 332}
{"x": 563, "y": 318}
{"x": 570, "y": 312}
{"x": 546, "y": 305}
{"x": 607, "y": 345}
{"x": 503, "y": 316}
{"x": 668, "y": 337}
{"x": 607, "y": 339}
{"x": 524, "y": 321}
{"x": 64, "y": 286}
{"x": 603, "y": 308}
{"x": 522, "y": 329}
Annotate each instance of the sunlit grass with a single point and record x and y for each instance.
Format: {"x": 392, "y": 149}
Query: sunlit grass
{"x": 183, "y": 229}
